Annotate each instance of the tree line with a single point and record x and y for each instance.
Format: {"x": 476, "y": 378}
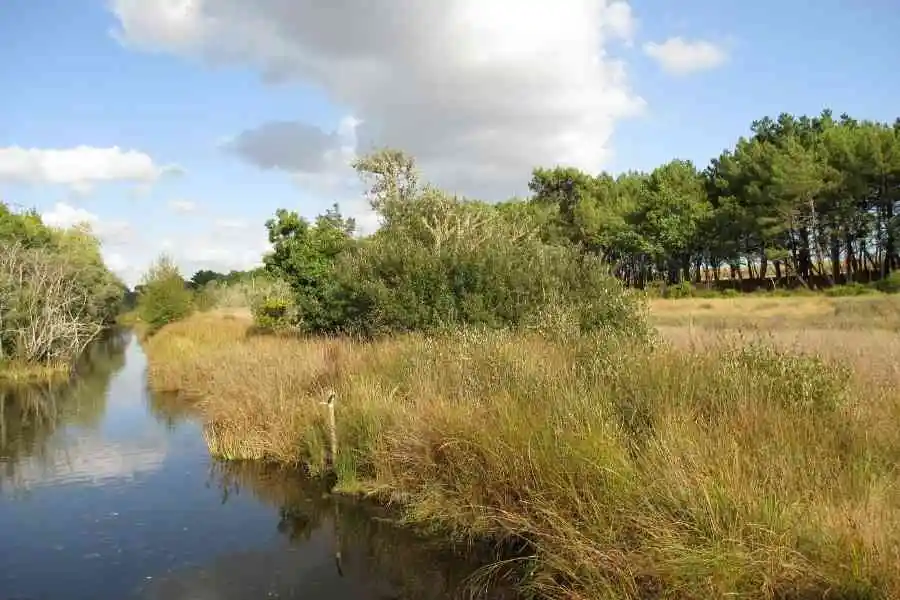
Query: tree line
{"x": 803, "y": 200}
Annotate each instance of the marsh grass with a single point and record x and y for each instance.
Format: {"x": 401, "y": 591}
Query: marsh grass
{"x": 696, "y": 467}
{"x": 26, "y": 373}
{"x": 770, "y": 312}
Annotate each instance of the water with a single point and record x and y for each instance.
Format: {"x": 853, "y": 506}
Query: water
{"x": 108, "y": 492}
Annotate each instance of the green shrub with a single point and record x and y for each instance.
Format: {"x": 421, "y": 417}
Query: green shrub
{"x": 403, "y": 279}
{"x": 890, "y": 284}
{"x": 274, "y": 314}
{"x": 850, "y": 289}
{"x": 440, "y": 262}
{"x": 685, "y": 289}
{"x": 164, "y": 295}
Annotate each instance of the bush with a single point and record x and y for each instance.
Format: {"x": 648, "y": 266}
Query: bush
{"x": 890, "y": 284}
{"x": 481, "y": 274}
{"x": 685, "y": 289}
{"x": 164, "y": 296}
{"x": 850, "y": 289}
{"x": 439, "y": 262}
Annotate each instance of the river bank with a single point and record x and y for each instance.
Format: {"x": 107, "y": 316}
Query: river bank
{"x": 688, "y": 473}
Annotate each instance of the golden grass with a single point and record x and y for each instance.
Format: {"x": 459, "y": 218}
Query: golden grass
{"x": 17, "y": 372}
{"x": 700, "y": 468}
{"x": 763, "y": 311}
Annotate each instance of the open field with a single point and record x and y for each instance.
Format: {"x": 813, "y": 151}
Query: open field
{"x": 767, "y": 312}
{"x": 705, "y": 466}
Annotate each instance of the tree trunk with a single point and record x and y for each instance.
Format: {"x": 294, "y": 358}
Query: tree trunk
{"x": 804, "y": 266}
{"x": 850, "y": 267}
{"x": 835, "y": 258}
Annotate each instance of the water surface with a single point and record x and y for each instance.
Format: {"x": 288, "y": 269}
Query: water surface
{"x": 107, "y": 492}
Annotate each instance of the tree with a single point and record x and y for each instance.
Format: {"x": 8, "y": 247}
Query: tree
{"x": 304, "y": 256}
{"x": 164, "y": 297}
{"x": 204, "y": 276}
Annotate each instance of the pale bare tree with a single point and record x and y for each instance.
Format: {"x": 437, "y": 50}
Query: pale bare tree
{"x": 45, "y": 313}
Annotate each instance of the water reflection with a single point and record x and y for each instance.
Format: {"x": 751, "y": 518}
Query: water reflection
{"x": 108, "y": 491}
{"x": 32, "y": 446}
{"x": 336, "y": 549}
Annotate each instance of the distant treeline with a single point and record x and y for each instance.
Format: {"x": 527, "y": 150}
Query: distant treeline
{"x": 802, "y": 201}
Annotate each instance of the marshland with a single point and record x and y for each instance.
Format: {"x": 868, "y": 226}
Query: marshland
{"x": 676, "y": 384}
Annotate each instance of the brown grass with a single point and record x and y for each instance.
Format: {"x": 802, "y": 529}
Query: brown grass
{"x": 766, "y": 312}
{"x": 701, "y": 468}
{"x": 26, "y": 373}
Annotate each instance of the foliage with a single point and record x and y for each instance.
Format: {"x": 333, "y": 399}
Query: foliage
{"x": 440, "y": 261}
{"x": 890, "y": 284}
{"x": 304, "y": 255}
{"x": 164, "y": 296}
{"x": 802, "y": 198}
{"x": 56, "y": 294}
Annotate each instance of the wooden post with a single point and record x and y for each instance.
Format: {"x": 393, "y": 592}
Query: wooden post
{"x": 332, "y": 429}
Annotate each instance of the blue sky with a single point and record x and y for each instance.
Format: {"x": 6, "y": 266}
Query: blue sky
{"x": 260, "y": 105}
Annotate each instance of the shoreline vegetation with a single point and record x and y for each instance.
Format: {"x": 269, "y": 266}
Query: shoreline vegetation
{"x": 496, "y": 379}
{"x": 685, "y": 470}
{"x": 56, "y": 297}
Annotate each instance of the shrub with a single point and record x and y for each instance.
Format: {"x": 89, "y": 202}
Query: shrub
{"x": 850, "y": 289}
{"x": 685, "y": 289}
{"x": 890, "y": 284}
{"x": 446, "y": 263}
{"x": 440, "y": 262}
{"x": 164, "y": 296}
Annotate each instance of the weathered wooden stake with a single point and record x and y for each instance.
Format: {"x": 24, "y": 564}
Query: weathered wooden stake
{"x": 332, "y": 429}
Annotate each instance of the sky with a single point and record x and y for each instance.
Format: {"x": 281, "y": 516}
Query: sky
{"x": 180, "y": 126}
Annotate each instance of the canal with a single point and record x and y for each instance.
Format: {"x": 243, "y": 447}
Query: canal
{"x": 108, "y": 492}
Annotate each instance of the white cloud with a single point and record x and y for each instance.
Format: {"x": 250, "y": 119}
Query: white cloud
{"x": 183, "y": 207}
{"x": 230, "y": 224}
{"x": 118, "y": 238}
{"x": 64, "y": 215}
{"x": 682, "y": 57}
{"x": 480, "y": 91}
{"x": 79, "y": 168}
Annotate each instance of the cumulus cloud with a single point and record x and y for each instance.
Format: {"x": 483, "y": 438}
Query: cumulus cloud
{"x": 682, "y": 57}
{"x": 80, "y": 167}
{"x": 63, "y": 215}
{"x": 183, "y": 207}
{"x": 480, "y": 91}
{"x": 286, "y": 145}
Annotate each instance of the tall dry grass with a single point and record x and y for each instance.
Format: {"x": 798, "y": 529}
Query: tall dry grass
{"x": 769, "y": 312}
{"x": 710, "y": 470}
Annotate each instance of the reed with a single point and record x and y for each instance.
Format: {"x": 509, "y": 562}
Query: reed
{"x": 681, "y": 469}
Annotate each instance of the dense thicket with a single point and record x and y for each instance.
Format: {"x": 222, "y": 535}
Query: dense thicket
{"x": 801, "y": 200}
{"x": 56, "y": 293}
{"x": 436, "y": 262}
